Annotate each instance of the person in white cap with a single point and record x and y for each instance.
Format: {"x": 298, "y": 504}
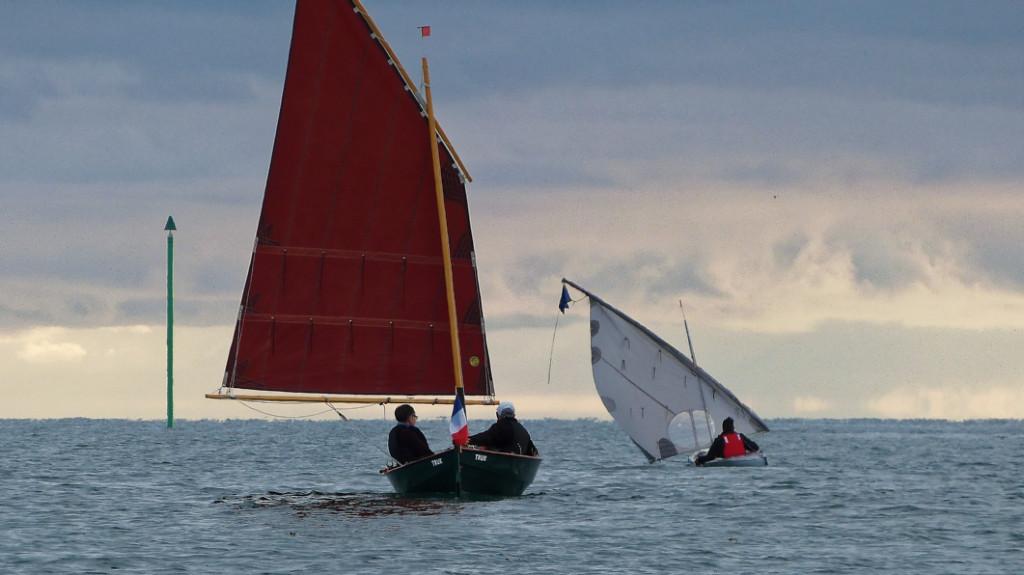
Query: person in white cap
{"x": 506, "y": 434}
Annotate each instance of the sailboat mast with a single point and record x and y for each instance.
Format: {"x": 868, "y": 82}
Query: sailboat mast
{"x": 446, "y": 256}
{"x": 693, "y": 358}
{"x": 700, "y": 385}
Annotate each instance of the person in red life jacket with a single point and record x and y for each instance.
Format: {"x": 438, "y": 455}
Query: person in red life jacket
{"x": 406, "y": 442}
{"x": 506, "y": 434}
{"x": 728, "y": 444}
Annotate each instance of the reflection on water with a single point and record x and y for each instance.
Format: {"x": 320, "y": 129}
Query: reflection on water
{"x": 350, "y": 504}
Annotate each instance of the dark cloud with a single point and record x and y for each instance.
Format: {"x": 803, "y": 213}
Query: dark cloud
{"x": 185, "y": 50}
{"x": 955, "y": 52}
{"x": 771, "y": 93}
{"x": 124, "y": 112}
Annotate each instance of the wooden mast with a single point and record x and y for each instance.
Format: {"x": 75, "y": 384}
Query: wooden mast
{"x": 354, "y": 399}
{"x": 449, "y": 282}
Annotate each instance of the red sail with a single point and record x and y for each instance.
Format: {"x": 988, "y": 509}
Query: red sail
{"x": 346, "y": 291}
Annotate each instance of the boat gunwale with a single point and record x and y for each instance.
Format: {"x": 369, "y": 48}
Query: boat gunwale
{"x": 391, "y": 468}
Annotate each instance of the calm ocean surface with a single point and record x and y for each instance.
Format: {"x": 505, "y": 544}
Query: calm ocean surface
{"x": 862, "y": 496}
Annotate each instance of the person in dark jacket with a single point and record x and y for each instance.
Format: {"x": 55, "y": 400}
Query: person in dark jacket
{"x": 406, "y": 442}
{"x": 506, "y": 434}
{"x": 728, "y": 444}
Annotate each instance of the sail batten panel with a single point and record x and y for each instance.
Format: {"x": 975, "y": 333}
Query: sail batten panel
{"x": 345, "y": 293}
{"x": 311, "y": 25}
{"x": 291, "y": 353}
{"x": 365, "y": 194}
{"x": 405, "y": 190}
{"x": 328, "y": 138}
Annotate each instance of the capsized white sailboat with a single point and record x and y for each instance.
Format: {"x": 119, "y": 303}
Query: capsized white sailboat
{"x": 666, "y": 403}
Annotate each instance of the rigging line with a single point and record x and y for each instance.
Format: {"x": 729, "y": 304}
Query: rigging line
{"x": 700, "y": 386}
{"x": 274, "y": 415}
{"x": 359, "y": 431}
{"x": 551, "y": 357}
{"x": 693, "y": 357}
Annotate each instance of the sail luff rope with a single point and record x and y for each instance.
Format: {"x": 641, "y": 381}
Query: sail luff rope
{"x": 229, "y": 380}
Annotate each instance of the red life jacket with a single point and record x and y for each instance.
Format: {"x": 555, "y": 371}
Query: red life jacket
{"x": 733, "y": 445}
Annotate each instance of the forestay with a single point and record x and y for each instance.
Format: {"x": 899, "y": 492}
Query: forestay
{"x": 666, "y": 404}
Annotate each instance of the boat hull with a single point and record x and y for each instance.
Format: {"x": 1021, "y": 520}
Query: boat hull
{"x": 750, "y": 460}
{"x": 473, "y": 472}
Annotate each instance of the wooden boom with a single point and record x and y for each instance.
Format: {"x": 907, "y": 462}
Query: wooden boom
{"x": 362, "y": 399}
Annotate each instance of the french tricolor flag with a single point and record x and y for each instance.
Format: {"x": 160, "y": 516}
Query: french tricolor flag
{"x": 459, "y": 425}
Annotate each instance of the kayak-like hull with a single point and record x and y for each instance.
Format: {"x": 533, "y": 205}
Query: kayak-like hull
{"x": 749, "y": 460}
{"x": 466, "y": 473}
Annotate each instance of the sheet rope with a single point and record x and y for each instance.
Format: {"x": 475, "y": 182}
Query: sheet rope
{"x": 551, "y": 356}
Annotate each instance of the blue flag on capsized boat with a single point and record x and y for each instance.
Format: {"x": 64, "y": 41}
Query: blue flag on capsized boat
{"x": 564, "y": 303}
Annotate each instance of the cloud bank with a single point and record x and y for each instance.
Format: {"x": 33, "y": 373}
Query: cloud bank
{"x": 809, "y": 179}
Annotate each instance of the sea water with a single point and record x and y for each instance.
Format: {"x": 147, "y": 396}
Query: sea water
{"x": 858, "y": 496}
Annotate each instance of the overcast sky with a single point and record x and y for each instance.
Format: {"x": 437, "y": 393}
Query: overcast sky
{"x": 835, "y": 190}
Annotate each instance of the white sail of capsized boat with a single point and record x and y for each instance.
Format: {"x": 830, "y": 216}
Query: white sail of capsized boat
{"x": 668, "y": 405}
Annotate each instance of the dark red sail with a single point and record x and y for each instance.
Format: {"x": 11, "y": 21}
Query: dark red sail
{"x": 346, "y": 291}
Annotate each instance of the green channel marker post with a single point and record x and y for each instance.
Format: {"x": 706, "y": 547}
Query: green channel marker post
{"x": 170, "y": 228}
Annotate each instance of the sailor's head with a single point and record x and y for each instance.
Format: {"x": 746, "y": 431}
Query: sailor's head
{"x": 506, "y": 409}
{"x": 404, "y": 412}
{"x": 727, "y": 425}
